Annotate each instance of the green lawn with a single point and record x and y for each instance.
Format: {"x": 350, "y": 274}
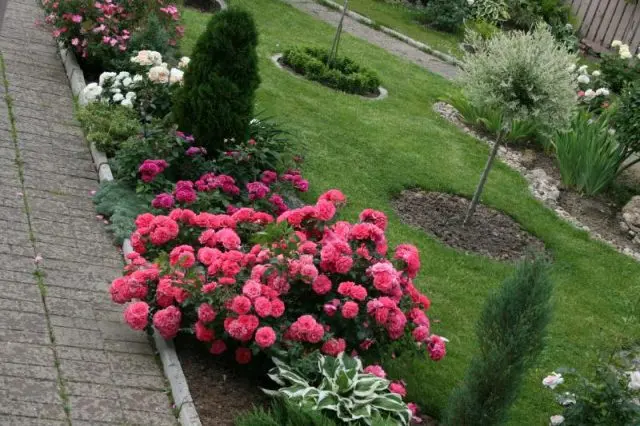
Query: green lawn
{"x": 372, "y": 150}
{"x": 398, "y": 17}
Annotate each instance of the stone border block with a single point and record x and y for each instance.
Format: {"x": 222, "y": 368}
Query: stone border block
{"x": 414, "y": 43}
{"x": 188, "y": 415}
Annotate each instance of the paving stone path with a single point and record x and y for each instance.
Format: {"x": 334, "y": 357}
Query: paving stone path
{"x": 378, "y": 38}
{"x": 65, "y": 355}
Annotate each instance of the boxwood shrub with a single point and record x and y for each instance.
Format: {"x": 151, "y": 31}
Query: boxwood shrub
{"x": 343, "y": 74}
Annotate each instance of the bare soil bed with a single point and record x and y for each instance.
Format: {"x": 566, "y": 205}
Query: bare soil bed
{"x": 489, "y": 233}
{"x": 219, "y": 389}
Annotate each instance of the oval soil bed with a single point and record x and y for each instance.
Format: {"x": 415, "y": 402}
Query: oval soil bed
{"x": 381, "y": 94}
{"x": 490, "y": 233}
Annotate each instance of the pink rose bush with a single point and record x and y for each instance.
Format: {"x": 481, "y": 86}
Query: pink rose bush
{"x": 103, "y": 29}
{"x": 252, "y": 282}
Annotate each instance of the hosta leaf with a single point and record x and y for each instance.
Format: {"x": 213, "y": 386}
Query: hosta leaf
{"x": 344, "y": 383}
{"x": 362, "y": 411}
{"x": 389, "y": 402}
{"x": 293, "y": 377}
{"x": 327, "y": 401}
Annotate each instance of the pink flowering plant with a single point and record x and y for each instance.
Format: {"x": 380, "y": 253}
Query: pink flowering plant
{"x": 100, "y": 31}
{"x": 250, "y": 282}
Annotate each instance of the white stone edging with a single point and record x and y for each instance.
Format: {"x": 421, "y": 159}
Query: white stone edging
{"x": 383, "y": 92}
{"x": 188, "y": 415}
{"x": 541, "y": 187}
{"x": 395, "y": 34}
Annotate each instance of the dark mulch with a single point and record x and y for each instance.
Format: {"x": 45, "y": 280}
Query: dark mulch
{"x": 490, "y": 232}
{"x": 203, "y": 5}
{"x": 218, "y": 386}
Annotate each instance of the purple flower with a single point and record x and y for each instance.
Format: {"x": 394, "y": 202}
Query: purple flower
{"x": 163, "y": 201}
{"x": 195, "y": 150}
{"x": 185, "y": 137}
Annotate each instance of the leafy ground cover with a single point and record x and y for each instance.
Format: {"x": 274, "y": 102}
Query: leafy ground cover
{"x": 373, "y": 150}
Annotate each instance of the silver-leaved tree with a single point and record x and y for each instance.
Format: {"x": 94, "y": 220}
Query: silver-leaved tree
{"x": 518, "y": 76}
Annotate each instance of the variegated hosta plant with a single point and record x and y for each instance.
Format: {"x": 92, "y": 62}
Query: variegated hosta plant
{"x": 355, "y": 397}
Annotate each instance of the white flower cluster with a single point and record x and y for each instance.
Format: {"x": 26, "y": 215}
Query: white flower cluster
{"x": 583, "y": 78}
{"x": 116, "y": 88}
{"x": 120, "y": 88}
{"x": 623, "y": 49}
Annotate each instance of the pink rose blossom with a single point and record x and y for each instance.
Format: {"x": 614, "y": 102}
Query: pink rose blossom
{"x": 333, "y": 347}
{"x": 265, "y": 337}
{"x": 350, "y": 310}
{"x": 167, "y": 322}
{"x": 203, "y": 334}
{"x": 398, "y": 387}
{"x": 243, "y": 355}
{"x": 240, "y": 305}
{"x": 436, "y": 347}
{"x": 137, "y": 315}
{"x": 206, "y": 313}
{"x": 376, "y": 370}
{"x": 217, "y": 347}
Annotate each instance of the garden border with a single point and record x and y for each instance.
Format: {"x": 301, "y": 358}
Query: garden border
{"x": 188, "y": 415}
{"x": 383, "y": 92}
{"x": 393, "y": 33}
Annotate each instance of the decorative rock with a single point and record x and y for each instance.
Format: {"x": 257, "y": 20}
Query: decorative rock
{"x": 528, "y": 158}
{"x": 631, "y": 213}
{"x": 624, "y": 227}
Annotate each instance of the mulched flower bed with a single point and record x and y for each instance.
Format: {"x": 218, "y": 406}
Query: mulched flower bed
{"x": 218, "y": 388}
{"x": 490, "y": 232}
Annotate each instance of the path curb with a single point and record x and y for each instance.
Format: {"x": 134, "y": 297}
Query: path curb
{"x": 188, "y": 415}
{"x": 393, "y": 33}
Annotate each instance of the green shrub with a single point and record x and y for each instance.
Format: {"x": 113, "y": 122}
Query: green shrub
{"x": 108, "y": 126}
{"x": 483, "y": 119}
{"x": 618, "y": 72}
{"x": 526, "y": 75}
{"x": 588, "y": 155}
{"x": 484, "y": 29}
{"x": 627, "y": 123}
{"x": 490, "y": 11}
{"x": 526, "y": 14}
{"x": 121, "y": 205}
{"x": 283, "y": 413}
{"x": 445, "y": 15}
{"x": 216, "y": 102}
{"x": 510, "y": 334}
{"x": 343, "y": 74}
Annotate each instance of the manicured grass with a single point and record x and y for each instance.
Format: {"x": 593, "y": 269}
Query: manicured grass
{"x": 372, "y": 150}
{"x": 399, "y": 17}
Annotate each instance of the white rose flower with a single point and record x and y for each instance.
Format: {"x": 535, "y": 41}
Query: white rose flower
{"x": 130, "y": 95}
{"x": 556, "y": 420}
{"x": 552, "y": 380}
{"x": 91, "y": 92}
{"x": 612, "y": 131}
{"x": 571, "y": 68}
{"x": 596, "y": 73}
{"x": 584, "y": 79}
{"x": 105, "y": 77}
{"x": 115, "y": 90}
{"x": 118, "y": 97}
{"x": 155, "y": 57}
{"x": 471, "y": 2}
{"x": 127, "y": 82}
{"x": 634, "y": 380}
{"x": 184, "y": 62}
{"x": 583, "y": 69}
{"x": 122, "y": 75}
{"x": 603, "y": 91}
{"x": 589, "y": 94}
{"x": 616, "y": 43}
{"x": 625, "y": 54}
{"x": 137, "y": 78}
{"x": 158, "y": 74}
{"x": 127, "y": 103}
{"x": 175, "y": 75}
{"x": 638, "y": 56}
{"x": 142, "y": 58}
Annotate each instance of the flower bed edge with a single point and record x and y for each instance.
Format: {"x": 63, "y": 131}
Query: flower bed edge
{"x": 188, "y": 415}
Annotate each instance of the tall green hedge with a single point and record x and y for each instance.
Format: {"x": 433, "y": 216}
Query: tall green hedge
{"x": 216, "y": 102}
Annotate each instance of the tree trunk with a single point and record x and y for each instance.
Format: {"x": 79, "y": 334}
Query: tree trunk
{"x": 483, "y": 180}
{"x": 333, "y": 53}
